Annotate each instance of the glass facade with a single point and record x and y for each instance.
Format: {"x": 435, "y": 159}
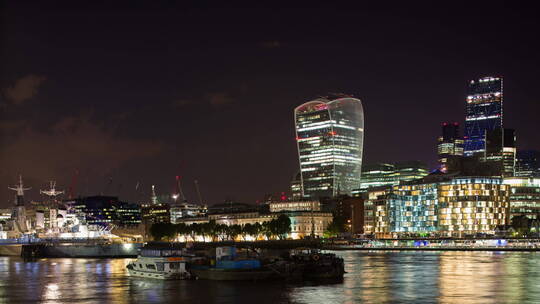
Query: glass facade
{"x": 501, "y": 150}
{"x": 449, "y": 145}
{"x": 528, "y": 163}
{"x": 462, "y": 205}
{"x": 381, "y": 174}
{"x": 413, "y": 208}
{"x": 524, "y": 196}
{"x": 473, "y": 204}
{"x": 484, "y": 112}
{"x": 329, "y": 135}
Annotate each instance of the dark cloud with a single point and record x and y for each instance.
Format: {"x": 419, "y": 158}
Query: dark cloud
{"x": 179, "y": 103}
{"x": 218, "y": 99}
{"x": 73, "y": 143}
{"x": 24, "y": 88}
{"x": 270, "y": 44}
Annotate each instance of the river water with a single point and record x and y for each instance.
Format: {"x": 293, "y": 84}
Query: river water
{"x": 372, "y": 277}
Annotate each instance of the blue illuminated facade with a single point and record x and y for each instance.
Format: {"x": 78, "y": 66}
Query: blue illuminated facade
{"x": 413, "y": 208}
{"x": 484, "y": 112}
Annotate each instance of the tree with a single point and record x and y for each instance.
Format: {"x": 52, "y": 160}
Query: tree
{"x": 223, "y": 231}
{"x": 521, "y": 224}
{"x": 160, "y": 231}
{"x": 234, "y": 231}
{"x": 194, "y": 230}
{"x": 257, "y": 230}
{"x": 181, "y": 229}
{"x": 281, "y": 226}
{"x": 267, "y": 229}
{"x": 252, "y": 229}
{"x": 336, "y": 227}
{"x": 246, "y": 230}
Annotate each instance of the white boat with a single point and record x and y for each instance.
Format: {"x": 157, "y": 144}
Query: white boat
{"x": 161, "y": 263}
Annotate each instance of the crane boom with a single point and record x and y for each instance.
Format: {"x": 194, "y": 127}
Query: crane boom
{"x": 198, "y": 192}
{"x": 179, "y": 189}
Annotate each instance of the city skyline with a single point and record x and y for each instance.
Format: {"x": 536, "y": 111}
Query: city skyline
{"x": 215, "y": 104}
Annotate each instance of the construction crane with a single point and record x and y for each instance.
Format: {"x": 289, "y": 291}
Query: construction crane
{"x": 107, "y": 186}
{"x": 198, "y": 192}
{"x": 179, "y": 190}
{"x": 71, "y": 189}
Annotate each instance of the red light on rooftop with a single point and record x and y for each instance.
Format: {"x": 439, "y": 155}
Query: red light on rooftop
{"x": 455, "y": 124}
{"x": 444, "y": 124}
{"x": 332, "y": 133}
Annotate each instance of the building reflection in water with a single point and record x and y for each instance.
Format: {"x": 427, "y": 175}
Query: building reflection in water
{"x": 372, "y": 277}
{"x": 495, "y": 277}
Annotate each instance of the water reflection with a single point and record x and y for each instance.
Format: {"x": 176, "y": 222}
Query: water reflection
{"x": 372, "y": 277}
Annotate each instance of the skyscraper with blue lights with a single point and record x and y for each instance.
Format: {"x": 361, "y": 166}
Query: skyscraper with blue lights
{"x": 484, "y": 112}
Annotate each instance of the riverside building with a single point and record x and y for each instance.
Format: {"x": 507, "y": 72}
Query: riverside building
{"x": 329, "y": 135}
{"x": 484, "y": 112}
{"x": 524, "y": 197}
{"x": 453, "y": 207}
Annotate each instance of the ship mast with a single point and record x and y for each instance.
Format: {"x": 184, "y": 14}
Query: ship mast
{"x": 52, "y": 192}
{"x": 20, "y": 192}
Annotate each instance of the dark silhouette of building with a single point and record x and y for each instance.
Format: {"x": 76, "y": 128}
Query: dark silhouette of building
{"x": 528, "y": 163}
{"x": 449, "y": 146}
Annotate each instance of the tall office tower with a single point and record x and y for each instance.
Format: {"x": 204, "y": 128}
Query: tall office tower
{"x": 484, "y": 112}
{"x": 528, "y": 163}
{"x": 329, "y": 135}
{"x": 501, "y": 150}
{"x": 296, "y": 187}
{"x": 449, "y": 146}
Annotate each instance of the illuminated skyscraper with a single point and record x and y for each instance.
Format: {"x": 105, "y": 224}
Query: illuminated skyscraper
{"x": 330, "y": 135}
{"x": 484, "y": 112}
{"x": 449, "y": 145}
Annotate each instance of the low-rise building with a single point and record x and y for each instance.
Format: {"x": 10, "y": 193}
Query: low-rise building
{"x": 295, "y": 206}
{"x": 304, "y": 223}
{"x": 185, "y": 210}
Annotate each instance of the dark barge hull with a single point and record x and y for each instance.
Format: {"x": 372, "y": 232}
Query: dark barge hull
{"x": 232, "y": 275}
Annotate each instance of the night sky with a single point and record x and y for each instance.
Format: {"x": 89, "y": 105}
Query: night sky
{"x": 140, "y": 94}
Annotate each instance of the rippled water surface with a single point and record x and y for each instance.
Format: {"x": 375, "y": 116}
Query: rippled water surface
{"x": 372, "y": 277}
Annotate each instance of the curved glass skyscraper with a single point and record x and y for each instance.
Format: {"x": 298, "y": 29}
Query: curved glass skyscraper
{"x": 330, "y": 136}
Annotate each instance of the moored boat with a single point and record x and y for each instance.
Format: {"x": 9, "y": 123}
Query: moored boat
{"x": 161, "y": 263}
{"x": 219, "y": 274}
{"x": 316, "y": 265}
{"x": 228, "y": 266}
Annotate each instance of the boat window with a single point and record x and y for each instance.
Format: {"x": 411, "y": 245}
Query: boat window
{"x": 151, "y": 266}
{"x": 159, "y": 266}
{"x": 140, "y": 265}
